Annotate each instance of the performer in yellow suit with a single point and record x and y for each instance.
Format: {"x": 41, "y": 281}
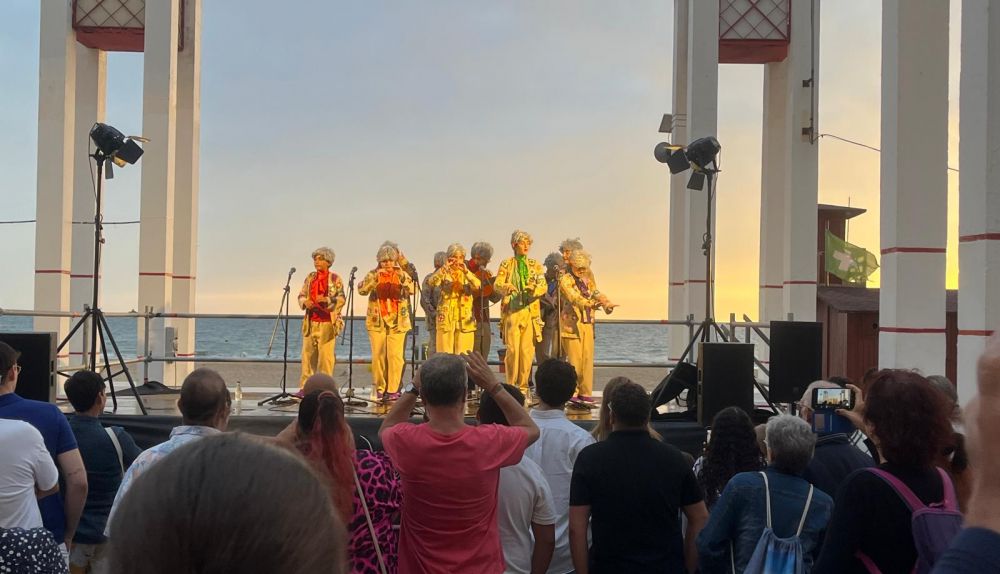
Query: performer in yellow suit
{"x": 482, "y": 297}
{"x": 456, "y": 326}
{"x": 580, "y": 299}
{"x": 322, "y": 298}
{"x": 388, "y": 288}
{"x": 521, "y": 282}
{"x": 428, "y": 302}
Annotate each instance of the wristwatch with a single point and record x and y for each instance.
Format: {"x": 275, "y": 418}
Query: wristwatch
{"x": 409, "y": 388}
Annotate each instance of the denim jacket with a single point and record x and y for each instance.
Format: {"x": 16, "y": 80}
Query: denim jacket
{"x": 739, "y": 518}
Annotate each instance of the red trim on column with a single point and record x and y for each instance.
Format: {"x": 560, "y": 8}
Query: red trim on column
{"x": 976, "y": 332}
{"x": 797, "y": 282}
{"x": 62, "y": 356}
{"x": 52, "y": 271}
{"x": 676, "y": 283}
{"x": 912, "y": 330}
{"x": 891, "y": 250}
{"x": 184, "y": 277}
{"x": 772, "y": 286}
{"x": 151, "y": 274}
{"x": 697, "y": 281}
{"x": 184, "y": 354}
{"x": 81, "y": 275}
{"x": 979, "y": 237}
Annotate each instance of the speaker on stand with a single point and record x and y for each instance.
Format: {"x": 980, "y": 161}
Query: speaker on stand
{"x": 37, "y": 380}
{"x": 725, "y": 378}
{"x": 796, "y": 358}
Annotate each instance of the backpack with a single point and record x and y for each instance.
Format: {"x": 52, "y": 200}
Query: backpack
{"x": 934, "y": 526}
{"x": 774, "y": 555}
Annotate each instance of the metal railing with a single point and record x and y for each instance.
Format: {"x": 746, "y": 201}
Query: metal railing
{"x": 730, "y": 332}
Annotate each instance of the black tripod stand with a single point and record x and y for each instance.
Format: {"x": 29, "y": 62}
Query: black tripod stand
{"x": 98, "y": 323}
{"x": 285, "y": 300}
{"x": 351, "y": 402}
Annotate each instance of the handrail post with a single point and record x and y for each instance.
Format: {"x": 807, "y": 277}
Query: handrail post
{"x": 732, "y": 328}
{"x": 146, "y": 351}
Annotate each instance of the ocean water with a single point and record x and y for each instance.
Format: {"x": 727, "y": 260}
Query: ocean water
{"x": 248, "y": 338}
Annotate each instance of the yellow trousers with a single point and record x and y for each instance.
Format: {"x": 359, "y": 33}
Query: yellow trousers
{"x": 519, "y": 338}
{"x": 318, "y": 340}
{"x": 483, "y": 339}
{"x": 387, "y": 359}
{"x": 455, "y": 342}
{"x": 580, "y": 354}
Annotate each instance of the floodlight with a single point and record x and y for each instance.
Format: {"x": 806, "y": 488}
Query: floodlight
{"x": 699, "y": 154}
{"x": 113, "y": 144}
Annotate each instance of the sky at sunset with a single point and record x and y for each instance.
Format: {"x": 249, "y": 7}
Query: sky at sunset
{"x": 427, "y": 123}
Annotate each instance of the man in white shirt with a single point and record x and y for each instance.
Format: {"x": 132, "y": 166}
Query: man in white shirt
{"x": 525, "y": 515}
{"x": 556, "y": 450}
{"x": 27, "y": 472}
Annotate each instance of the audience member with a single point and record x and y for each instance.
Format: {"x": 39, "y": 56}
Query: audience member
{"x": 106, "y": 453}
{"x": 908, "y": 420}
{"x": 227, "y": 504}
{"x": 326, "y": 440}
{"x": 776, "y": 499}
{"x": 835, "y": 457}
{"x": 603, "y": 427}
{"x": 977, "y": 549}
{"x": 60, "y": 514}
{"x": 954, "y": 459}
{"x": 760, "y": 431}
{"x": 204, "y": 405}
{"x": 525, "y": 511}
{"x": 450, "y": 470}
{"x": 557, "y": 448}
{"x": 630, "y": 488}
{"x": 732, "y": 448}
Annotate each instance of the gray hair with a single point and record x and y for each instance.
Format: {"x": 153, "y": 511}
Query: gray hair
{"x": 518, "y": 235}
{"x": 443, "y": 380}
{"x": 553, "y": 261}
{"x": 572, "y": 244}
{"x": 790, "y": 443}
{"x": 482, "y": 250}
{"x": 387, "y": 252}
{"x": 439, "y": 258}
{"x": 326, "y": 253}
{"x": 580, "y": 258}
{"x": 454, "y": 249}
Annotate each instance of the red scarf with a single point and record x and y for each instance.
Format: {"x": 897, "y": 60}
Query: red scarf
{"x": 388, "y": 291}
{"x": 319, "y": 288}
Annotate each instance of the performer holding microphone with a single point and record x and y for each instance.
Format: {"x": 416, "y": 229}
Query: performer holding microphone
{"x": 521, "y": 283}
{"x": 388, "y": 288}
{"x": 455, "y": 284}
{"x": 580, "y": 299}
{"x": 322, "y": 298}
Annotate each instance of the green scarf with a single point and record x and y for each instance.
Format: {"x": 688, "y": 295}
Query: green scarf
{"x": 522, "y": 271}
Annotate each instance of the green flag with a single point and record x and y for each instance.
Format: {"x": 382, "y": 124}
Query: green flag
{"x": 851, "y": 263}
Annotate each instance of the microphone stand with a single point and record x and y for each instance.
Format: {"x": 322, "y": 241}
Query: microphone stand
{"x": 284, "y": 394}
{"x": 350, "y": 399}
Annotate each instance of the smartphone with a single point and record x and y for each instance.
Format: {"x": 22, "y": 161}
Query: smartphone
{"x": 832, "y": 399}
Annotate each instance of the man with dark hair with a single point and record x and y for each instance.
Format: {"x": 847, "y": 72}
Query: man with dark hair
{"x": 557, "y": 448}
{"x": 835, "y": 456}
{"x": 107, "y": 453}
{"x": 630, "y": 488}
{"x": 450, "y": 470}
{"x": 524, "y": 504}
{"x": 204, "y": 405}
{"x": 60, "y": 513}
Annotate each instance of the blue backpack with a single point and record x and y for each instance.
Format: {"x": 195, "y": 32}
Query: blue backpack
{"x": 934, "y": 526}
{"x": 774, "y": 555}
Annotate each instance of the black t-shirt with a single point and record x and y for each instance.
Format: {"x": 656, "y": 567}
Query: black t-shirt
{"x": 634, "y": 485}
{"x": 869, "y": 516}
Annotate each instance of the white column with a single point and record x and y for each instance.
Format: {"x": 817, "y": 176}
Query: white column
{"x": 773, "y": 193}
{"x": 914, "y": 184}
{"x": 702, "y": 121}
{"x": 156, "y": 206}
{"x": 979, "y": 197}
{"x": 801, "y": 163}
{"x": 91, "y": 80}
{"x": 677, "y": 295}
{"x": 186, "y": 184}
{"x": 56, "y": 152}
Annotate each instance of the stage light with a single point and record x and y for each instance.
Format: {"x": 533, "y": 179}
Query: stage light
{"x": 113, "y": 144}
{"x": 699, "y": 154}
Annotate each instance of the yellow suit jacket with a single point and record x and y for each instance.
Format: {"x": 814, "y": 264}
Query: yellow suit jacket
{"x": 526, "y": 300}
{"x": 398, "y": 322}
{"x": 335, "y": 294}
{"x": 575, "y": 307}
{"x": 454, "y": 302}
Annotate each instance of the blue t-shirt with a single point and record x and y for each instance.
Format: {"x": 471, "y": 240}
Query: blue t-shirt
{"x": 104, "y": 473}
{"x": 58, "y": 437}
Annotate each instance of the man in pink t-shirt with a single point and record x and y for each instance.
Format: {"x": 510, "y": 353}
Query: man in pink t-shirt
{"x": 450, "y": 470}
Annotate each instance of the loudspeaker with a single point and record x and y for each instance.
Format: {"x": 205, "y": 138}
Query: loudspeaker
{"x": 725, "y": 378}
{"x": 683, "y": 377}
{"x": 37, "y": 379}
{"x": 796, "y": 358}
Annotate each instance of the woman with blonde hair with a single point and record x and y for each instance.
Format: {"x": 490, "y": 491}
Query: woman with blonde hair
{"x": 388, "y": 288}
{"x": 603, "y": 427}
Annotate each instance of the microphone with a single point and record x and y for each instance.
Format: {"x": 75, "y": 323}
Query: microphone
{"x": 354, "y": 270}
{"x": 291, "y": 272}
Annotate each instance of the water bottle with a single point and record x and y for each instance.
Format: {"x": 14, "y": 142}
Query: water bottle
{"x": 239, "y": 396}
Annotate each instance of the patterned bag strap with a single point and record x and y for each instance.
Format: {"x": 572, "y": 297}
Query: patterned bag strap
{"x": 368, "y": 517}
